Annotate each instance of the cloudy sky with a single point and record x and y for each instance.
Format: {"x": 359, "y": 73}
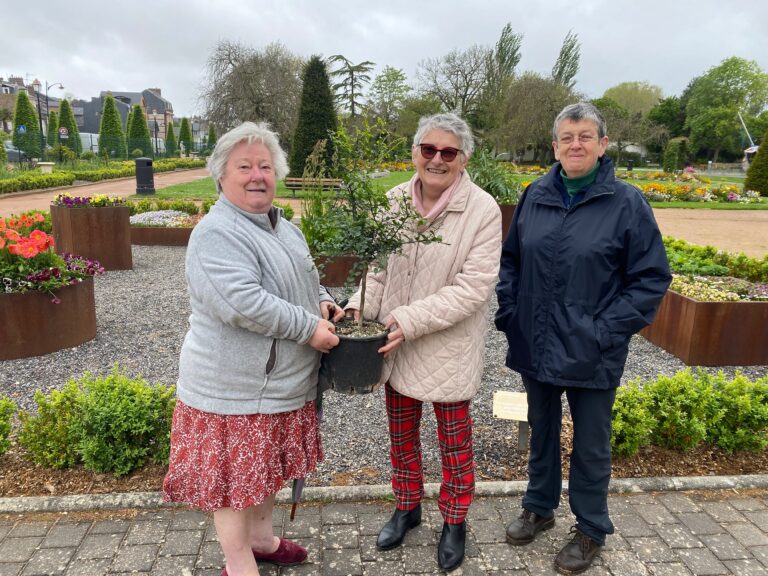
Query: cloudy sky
{"x": 94, "y": 45}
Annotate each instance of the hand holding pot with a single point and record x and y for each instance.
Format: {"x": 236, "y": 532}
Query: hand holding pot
{"x": 324, "y": 337}
{"x": 394, "y": 338}
{"x": 331, "y": 311}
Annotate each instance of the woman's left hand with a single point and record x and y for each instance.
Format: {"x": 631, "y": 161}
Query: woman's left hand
{"x": 330, "y": 311}
{"x": 394, "y": 338}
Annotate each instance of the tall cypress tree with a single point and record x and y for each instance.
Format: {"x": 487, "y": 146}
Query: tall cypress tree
{"x": 185, "y": 136}
{"x": 138, "y": 134}
{"x": 211, "y": 137}
{"x": 128, "y": 121}
{"x": 53, "y": 128}
{"x": 67, "y": 120}
{"x": 757, "y": 174}
{"x": 26, "y": 127}
{"x": 111, "y": 137}
{"x": 317, "y": 116}
{"x": 170, "y": 141}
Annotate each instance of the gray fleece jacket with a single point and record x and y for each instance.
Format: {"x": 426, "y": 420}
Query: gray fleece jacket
{"x": 255, "y": 300}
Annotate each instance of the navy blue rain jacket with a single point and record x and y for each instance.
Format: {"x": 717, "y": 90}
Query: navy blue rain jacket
{"x": 577, "y": 281}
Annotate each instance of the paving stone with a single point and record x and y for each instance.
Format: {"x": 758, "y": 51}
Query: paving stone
{"x": 745, "y": 567}
{"x": 181, "y": 542}
{"x": 420, "y": 560}
{"x": 678, "y": 537}
{"x": 759, "y": 519}
{"x": 669, "y": 569}
{"x": 725, "y": 547}
{"x": 381, "y": 568}
{"x": 486, "y": 531}
{"x": 700, "y": 523}
{"x": 11, "y": 568}
{"x": 369, "y": 552}
{"x": 66, "y": 535}
{"x": 211, "y": 556}
{"x": 761, "y": 553}
{"x": 724, "y": 512}
{"x": 483, "y": 510}
{"x": 621, "y": 562}
{"x": 633, "y": 525}
{"x": 24, "y": 529}
{"x": 19, "y": 549}
{"x": 747, "y": 534}
{"x": 338, "y": 536}
{"x": 146, "y": 532}
{"x": 304, "y": 526}
{"x": 677, "y": 502}
{"x": 5, "y": 528}
{"x": 701, "y": 561}
{"x": 371, "y": 524}
{"x": 342, "y": 563}
{"x": 651, "y": 549}
{"x": 96, "y": 546}
{"x": 339, "y": 514}
{"x": 48, "y": 562}
{"x": 97, "y": 567}
{"x": 747, "y": 504}
{"x": 175, "y": 566}
{"x": 656, "y": 514}
{"x": 109, "y": 527}
{"x": 138, "y": 558}
{"x": 499, "y": 557}
{"x": 191, "y": 520}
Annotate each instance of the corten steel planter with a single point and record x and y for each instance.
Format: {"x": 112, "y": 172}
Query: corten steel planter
{"x": 507, "y": 212}
{"x": 99, "y": 233}
{"x": 711, "y": 333}
{"x": 158, "y": 236}
{"x": 33, "y": 325}
{"x": 334, "y": 271}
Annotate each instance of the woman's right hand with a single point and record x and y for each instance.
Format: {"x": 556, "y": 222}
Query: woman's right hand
{"x": 353, "y": 313}
{"x": 324, "y": 337}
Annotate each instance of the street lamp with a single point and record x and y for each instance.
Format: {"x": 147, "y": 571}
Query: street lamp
{"x": 61, "y": 87}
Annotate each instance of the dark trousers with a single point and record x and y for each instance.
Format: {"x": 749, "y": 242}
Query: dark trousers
{"x": 590, "y": 469}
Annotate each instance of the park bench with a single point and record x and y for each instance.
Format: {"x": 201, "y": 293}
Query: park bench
{"x": 294, "y": 184}
{"x": 513, "y": 406}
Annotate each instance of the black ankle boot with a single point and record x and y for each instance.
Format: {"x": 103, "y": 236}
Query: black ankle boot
{"x": 393, "y": 532}
{"x": 450, "y": 551}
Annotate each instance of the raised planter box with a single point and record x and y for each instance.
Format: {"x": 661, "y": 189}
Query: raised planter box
{"x": 711, "y": 333}
{"x": 507, "y": 212}
{"x": 158, "y": 236}
{"x": 33, "y": 325}
{"x": 334, "y": 272}
{"x": 102, "y": 233}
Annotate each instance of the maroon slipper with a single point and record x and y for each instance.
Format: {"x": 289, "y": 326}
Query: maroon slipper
{"x": 287, "y": 554}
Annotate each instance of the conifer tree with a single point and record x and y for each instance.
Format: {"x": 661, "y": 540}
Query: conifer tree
{"x": 67, "y": 120}
{"x": 170, "y": 141}
{"x": 52, "y": 136}
{"x": 138, "y": 136}
{"x": 185, "y": 136}
{"x": 757, "y": 174}
{"x": 128, "y": 121}
{"x": 317, "y": 116}
{"x": 26, "y": 129}
{"x": 211, "y": 137}
{"x": 111, "y": 137}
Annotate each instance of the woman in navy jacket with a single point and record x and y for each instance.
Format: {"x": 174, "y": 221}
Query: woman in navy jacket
{"x": 582, "y": 270}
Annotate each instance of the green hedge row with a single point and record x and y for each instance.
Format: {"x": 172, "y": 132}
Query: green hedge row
{"x": 35, "y": 181}
{"x": 687, "y": 258}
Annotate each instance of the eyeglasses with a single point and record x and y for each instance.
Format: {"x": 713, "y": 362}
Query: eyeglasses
{"x": 568, "y": 139}
{"x": 448, "y": 154}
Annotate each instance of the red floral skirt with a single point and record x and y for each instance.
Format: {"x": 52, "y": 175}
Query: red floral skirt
{"x": 236, "y": 461}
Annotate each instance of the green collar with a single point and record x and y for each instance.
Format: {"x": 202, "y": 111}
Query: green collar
{"x": 574, "y": 185}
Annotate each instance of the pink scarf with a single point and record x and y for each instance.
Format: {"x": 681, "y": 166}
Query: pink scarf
{"x": 441, "y": 203}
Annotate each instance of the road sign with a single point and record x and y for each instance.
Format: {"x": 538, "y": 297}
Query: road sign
{"x": 63, "y": 133}
{"x": 21, "y": 129}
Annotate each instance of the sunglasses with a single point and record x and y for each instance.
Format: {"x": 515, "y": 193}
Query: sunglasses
{"x": 429, "y": 151}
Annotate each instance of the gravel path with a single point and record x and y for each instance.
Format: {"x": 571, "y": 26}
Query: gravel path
{"x": 142, "y": 318}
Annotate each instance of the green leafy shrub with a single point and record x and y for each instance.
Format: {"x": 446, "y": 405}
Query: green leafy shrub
{"x": 7, "y": 409}
{"x": 33, "y": 181}
{"x": 683, "y": 406}
{"x": 491, "y": 176}
{"x": 137, "y": 153}
{"x": 632, "y": 422}
{"x": 207, "y": 205}
{"x": 46, "y": 225}
{"x": 88, "y": 155}
{"x": 49, "y": 436}
{"x": 287, "y": 210}
{"x": 757, "y": 174}
{"x": 124, "y": 422}
{"x": 744, "y": 422}
{"x": 687, "y": 258}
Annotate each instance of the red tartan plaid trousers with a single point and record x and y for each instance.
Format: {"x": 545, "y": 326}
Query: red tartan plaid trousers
{"x": 454, "y": 431}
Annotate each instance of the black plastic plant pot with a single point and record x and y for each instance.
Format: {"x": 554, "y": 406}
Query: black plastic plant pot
{"x": 354, "y": 366}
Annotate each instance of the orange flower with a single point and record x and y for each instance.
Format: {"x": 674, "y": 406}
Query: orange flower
{"x": 25, "y": 249}
{"x": 40, "y": 239}
{"x": 12, "y": 235}
{"x": 2, "y": 242}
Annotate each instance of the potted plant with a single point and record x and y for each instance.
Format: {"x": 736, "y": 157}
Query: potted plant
{"x": 494, "y": 178}
{"x": 46, "y": 300}
{"x": 363, "y": 220}
{"x": 164, "y": 222}
{"x": 97, "y": 227}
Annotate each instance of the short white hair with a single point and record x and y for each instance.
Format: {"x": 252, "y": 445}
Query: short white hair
{"x": 447, "y": 122}
{"x": 249, "y": 132}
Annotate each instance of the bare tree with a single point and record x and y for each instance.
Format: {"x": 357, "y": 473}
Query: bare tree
{"x": 457, "y": 79}
{"x": 257, "y": 85}
{"x": 567, "y": 64}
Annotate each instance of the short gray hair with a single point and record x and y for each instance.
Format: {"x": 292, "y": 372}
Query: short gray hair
{"x": 249, "y": 132}
{"x": 581, "y": 111}
{"x": 447, "y": 122}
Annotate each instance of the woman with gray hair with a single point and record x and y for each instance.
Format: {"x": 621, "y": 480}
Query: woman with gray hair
{"x": 434, "y": 300}
{"x": 245, "y": 419}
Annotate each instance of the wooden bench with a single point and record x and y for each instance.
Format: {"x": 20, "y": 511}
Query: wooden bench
{"x": 513, "y": 406}
{"x": 294, "y": 184}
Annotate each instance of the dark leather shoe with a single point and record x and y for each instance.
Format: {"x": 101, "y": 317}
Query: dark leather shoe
{"x": 524, "y": 529}
{"x": 450, "y": 551}
{"x": 578, "y": 554}
{"x": 288, "y": 553}
{"x": 393, "y": 532}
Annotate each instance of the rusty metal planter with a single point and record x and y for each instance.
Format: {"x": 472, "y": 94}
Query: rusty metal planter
{"x": 33, "y": 325}
{"x": 711, "y": 333}
{"x": 507, "y": 212}
{"x": 334, "y": 271}
{"x": 159, "y": 236}
{"x": 99, "y": 233}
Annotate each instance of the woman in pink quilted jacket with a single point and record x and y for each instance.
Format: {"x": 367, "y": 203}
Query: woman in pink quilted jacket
{"x": 434, "y": 298}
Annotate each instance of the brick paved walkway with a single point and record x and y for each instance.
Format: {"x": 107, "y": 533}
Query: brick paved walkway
{"x": 667, "y": 533}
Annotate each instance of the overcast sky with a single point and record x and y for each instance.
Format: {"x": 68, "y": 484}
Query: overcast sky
{"x": 94, "y": 45}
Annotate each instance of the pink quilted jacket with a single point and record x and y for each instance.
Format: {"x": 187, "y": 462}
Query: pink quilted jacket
{"x": 438, "y": 294}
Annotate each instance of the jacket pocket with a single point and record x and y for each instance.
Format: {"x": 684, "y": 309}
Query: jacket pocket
{"x": 575, "y": 349}
{"x": 272, "y": 358}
